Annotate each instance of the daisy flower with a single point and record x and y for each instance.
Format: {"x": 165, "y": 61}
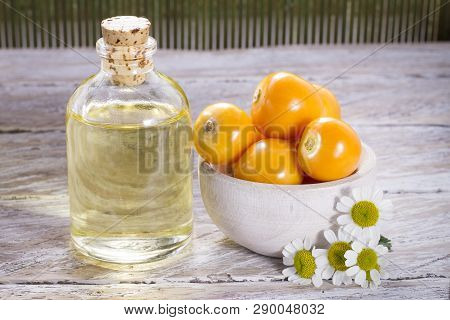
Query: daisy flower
{"x": 365, "y": 263}
{"x": 332, "y": 260}
{"x": 302, "y": 266}
{"x": 362, "y": 212}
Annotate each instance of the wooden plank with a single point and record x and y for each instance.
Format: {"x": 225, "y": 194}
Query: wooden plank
{"x": 434, "y": 289}
{"x": 419, "y": 87}
{"x": 400, "y": 163}
{"x": 35, "y": 252}
{"x": 400, "y": 117}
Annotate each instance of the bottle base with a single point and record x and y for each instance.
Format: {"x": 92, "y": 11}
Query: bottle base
{"x": 126, "y": 251}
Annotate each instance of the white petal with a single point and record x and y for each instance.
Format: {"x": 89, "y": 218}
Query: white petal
{"x": 347, "y": 280}
{"x": 342, "y": 208}
{"x": 372, "y": 285}
{"x": 366, "y": 193}
{"x": 350, "y": 258}
{"x": 381, "y": 250}
{"x": 356, "y": 193}
{"x": 330, "y": 236}
{"x": 305, "y": 282}
{"x": 352, "y": 271}
{"x": 365, "y": 234}
{"x": 357, "y": 246}
{"x": 338, "y": 276}
{"x": 287, "y": 253}
{"x": 348, "y": 229}
{"x": 375, "y": 276}
{"x": 365, "y": 284}
{"x": 319, "y": 252}
{"x": 298, "y": 244}
{"x": 386, "y": 215}
{"x": 288, "y": 261}
{"x": 377, "y": 196}
{"x": 373, "y": 242}
{"x": 290, "y": 248}
{"x": 360, "y": 277}
{"x": 321, "y": 261}
{"x": 327, "y": 273}
{"x": 356, "y": 232}
{"x": 374, "y": 232}
{"x": 347, "y": 201}
{"x": 344, "y": 219}
{"x": 287, "y": 272}
{"x": 293, "y": 277}
{"x": 307, "y": 243}
{"x": 317, "y": 281}
{"x": 344, "y": 236}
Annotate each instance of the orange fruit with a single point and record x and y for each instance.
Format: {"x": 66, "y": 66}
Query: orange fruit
{"x": 330, "y": 103}
{"x": 269, "y": 161}
{"x": 284, "y": 104}
{"x": 329, "y": 150}
{"x": 222, "y": 132}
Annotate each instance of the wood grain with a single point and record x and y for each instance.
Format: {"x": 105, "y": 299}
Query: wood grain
{"x": 398, "y": 100}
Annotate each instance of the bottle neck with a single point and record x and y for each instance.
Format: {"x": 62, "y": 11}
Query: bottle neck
{"x": 127, "y": 65}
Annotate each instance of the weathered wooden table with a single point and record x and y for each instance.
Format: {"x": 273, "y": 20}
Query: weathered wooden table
{"x": 398, "y": 100}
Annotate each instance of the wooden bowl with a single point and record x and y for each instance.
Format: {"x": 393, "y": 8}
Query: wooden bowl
{"x": 265, "y": 217}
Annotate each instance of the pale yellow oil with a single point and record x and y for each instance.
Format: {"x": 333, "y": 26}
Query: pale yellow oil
{"x": 130, "y": 185}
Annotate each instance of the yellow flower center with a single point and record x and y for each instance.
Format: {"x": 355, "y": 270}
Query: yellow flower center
{"x": 365, "y": 214}
{"x": 367, "y": 259}
{"x": 304, "y": 264}
{"x": 336, "y": 255}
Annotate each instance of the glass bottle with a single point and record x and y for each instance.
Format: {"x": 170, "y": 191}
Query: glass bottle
{"x": 129, "y": 153}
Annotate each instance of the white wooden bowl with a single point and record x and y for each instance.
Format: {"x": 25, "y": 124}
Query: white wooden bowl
{"x": 265, "y": 217}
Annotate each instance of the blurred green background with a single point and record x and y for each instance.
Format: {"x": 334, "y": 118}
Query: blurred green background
{"x": 221, "y": 24}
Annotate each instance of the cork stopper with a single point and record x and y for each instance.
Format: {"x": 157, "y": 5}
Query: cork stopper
{"x": 127, "y": 49}
{"x": 125, "y": 31}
